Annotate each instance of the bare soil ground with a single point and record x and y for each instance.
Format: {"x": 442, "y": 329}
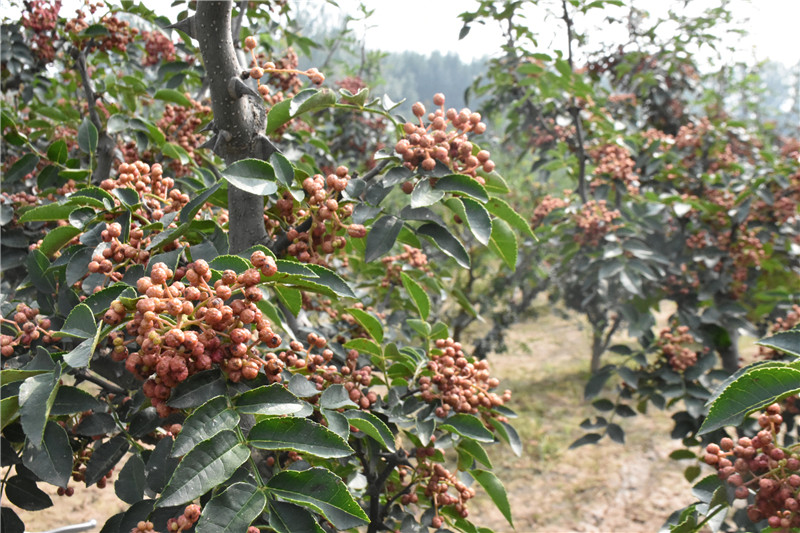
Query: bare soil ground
{"x": 602, "y": 488}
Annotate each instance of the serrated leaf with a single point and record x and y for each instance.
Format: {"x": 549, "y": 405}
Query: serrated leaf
{"x": 252, "y": 175}
{"x": 311, "y": 100}
{"x": 467, "y": 426}
{"x": 446, "y": 242}
{"x": 503, "y": 242}
{"x": 331, "y": 280}
{"x": 57, "y": 152}
{"x": 368, "y": 321}
{"x": 501, "y": 209}
{"x": 209, "y": 464}
{"x": 52, "y": 461}
{"x": 130, "y": 483}
{"x": 173, "y": 96}
{"x": 289, "y": 518}
{"x": 277, "y": 116}
{"x": 321, "y": 490}
{"x": 424, "y": 194}
{"x": 298, "y": 434}
{"x": 80, "y": 356}
{"x": 233, "y": 510}
{"x": 363, "y": 346}
{"x": 36, "y": 397}
{"x": 48, "y": 212}
{"x": 475, "y": 450}
{"x": 197, "y": 390}
{"x": 206, "y": 421}
{"x": 283, "y": 168}
{"x": 372, "y": 426}
{"x": 508, "y": 434}
{"x": 381, "y": 236}
{"x": 335, "y": 397}
{"x": 418, "y": 295}
{"x": 752, "y": 391}
{"x": 497, "y": 492}
{"x": 25, "y": 494}
{"x": 272, "y": 400}
{"x": 87, "y": 136}
{"x": 105, "y": 458}
{"x": 478, "y": 220}
{"x": 785, "y": 341}
{"x": 11, "y": 375}
{"x": 80, "y": 323}
{"x": 461, "y": 183}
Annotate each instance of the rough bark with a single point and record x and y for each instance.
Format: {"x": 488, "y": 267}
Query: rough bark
{"x": 239, "y": 118}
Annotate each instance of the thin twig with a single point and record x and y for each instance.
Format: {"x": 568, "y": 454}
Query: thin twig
{"x": 575, "y": 111}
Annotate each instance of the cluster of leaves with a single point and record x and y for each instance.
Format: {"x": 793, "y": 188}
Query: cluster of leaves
{"x": 129, "y": 318}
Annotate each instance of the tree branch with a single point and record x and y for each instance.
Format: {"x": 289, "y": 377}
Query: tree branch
{"x": 575, "y": 111}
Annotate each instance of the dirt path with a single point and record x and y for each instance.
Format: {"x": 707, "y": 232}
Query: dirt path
{"x": 603, "y": 488}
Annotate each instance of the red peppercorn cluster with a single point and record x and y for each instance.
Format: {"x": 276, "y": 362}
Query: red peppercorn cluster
{"x": 283, "y": 73}
{"x": 186, "y": 520}
{"x": 759, "y": 466}
{"x": 674, "y": 343}
{"x": 120, "y": 33}
{"x": 182, "y": 328}
{"x": 327, "y": 213}
{"x": 414, "y": 257}
{"x": 156, "y": 189}
{"x": 614, "y": 163}
{"x": 444, "y": 138}
{"x": 158, "y": 47}
{"x": 179, "y": 124}
{"x": 546, "y": 205}
{"x": 28, "y": 326}
{"x": 460, "y": 385}
{"x": 40, "y": 18}
{"x": 441, "y": 486}
{"x": 594, "y": 221}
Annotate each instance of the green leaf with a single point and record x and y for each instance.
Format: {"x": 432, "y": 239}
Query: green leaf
{"x": 468, "y": 426}
{"x": 25, "y": 494}
{"x": 335, "y": 397}
{"x": 291, "y": 298}
{"x": 211, "y": 418}
{"x": 175, "y": 151}
{"x": 101, "y": 300}
{"x": 209, "y": 464}
{"x": 321, "y": 490}
{"x": 368, "y": 321}
{"x": 252, "y": 175}
{"x": 496, "y": 491}
{"x": 289, "y": 518}
{"x": 298, "y": 434}
{"x": 475, "y": 450}
{"x": 36, "y": 397}
{"x": 189, "y": 211}
{"x": 381, "y": 236}
{"x": 87, "y": 136}
{"x": 11, "y": 375}
{"x": 785, "y": 341}
{"x": 332, "y": 280}
{"x": 507, "y": 432}
{"x": 424, "y": 194}
{"x": 130, "y": 483}
{"x": 39, "y": 272}
{"x": 48, "y": 212}
{"x": 284, "y": 171}
{"x": 273, "y": 400}
{"x": 363, "y": 345}
{"x": 105, "y": 458}
{"x": 504, "y": 243}
{"x": 501, "y": 209}
{"x": 197, "y": 390}
{"x": 52, "y": 461}
{"x": 80, "y": 323}
{"x": 171, "y": 95}
{"x": 56, "y": 238}
{"x": 445, "y": 241}
{"x": 9, "y": 409}
{"x": 418, "y": 295}
{"x": 278, "y": 116}
{"x": 57, "y": 152}
{"x": 460, "y": 183}
{"x": 752, "y": 391}
{"x": 21, "y": 168}
{"x": 372, "y": 426}
{"x": 70, "y": 400}
{"x": 230, "y": 262}
{"x": 233, "y": 510}
{"x": 311, "y": 100}
{"x": 80, "y": 356}
{"x": 478, "y": 220}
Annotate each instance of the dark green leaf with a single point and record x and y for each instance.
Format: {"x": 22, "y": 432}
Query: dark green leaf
{"x": 230, "y": 262}
{"x": 57, "y": 152}
{"x": 332, "y": 280}
{"x": 368, "y": 321}
{"x": 36, "y": 397}
{"x": 418, "y": 295}
{"x": 209, "y": 464}
{"x": 171, "y": 95}
{"x": 11, "y": 522}
{"x": 278, "y": 116}
{"x": 80, "y": 323}
{"x": 9, "y": 409}
{"x": 460, "y": 183}
{"x": 424, "y": 194}
{"x": 467, "y": 426}
{"x": 503, "y": 242}
{"x": 87, "y": 136}
{"x": 95, "y": 424}
{"x": 283, "y": 168}
{"x": 197, "y": 390}
{"x": 589, "y": 438}
{"x": 105, "y": 458}
{"x": 289, "y": 518}
{"x": 785, "y": 341}
{"x": 475, "y": 450}
{"x": 508, "y": 434}
{"x": 381, "y": 236}
{"x": 445, "y": 241}
{"x": 80, "y": 356}
{"x": 21, "y": 168}
{"x": 25, "y": 494}
{"x": 48, "y": 212}
{"x": 752, "y": 391}
{"x": 596, "y": 384}
{"x": 271, "y": 400}
{"x": 501, "y": 209}
{"x": 12, "y": 375}
{"x": 372, "y": 426}
{"x": 206, "y": 421}
{"x": 160, "y": 465}
{"x": 364, "y": 346}
{"x": 41, "y": 277}
{"x": 321, "y": 490}
{"x": 52, "y": 461}
{"x": 302, "y": 387}
{"x": 57, "y": 238}
{"x": 252, "y": 175}
{"x": 616, "y": 433}
{"x": 496, "y": 491}
{"x": 335, "y": 397}
{"x": 130, "y": 484}
{"x": 298, "y": 434}
{"x": 189, "y": 211}
{"x": 233, "y": 510}
{"x": 478, "y": 220}
{"x": 128, "y": 196}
